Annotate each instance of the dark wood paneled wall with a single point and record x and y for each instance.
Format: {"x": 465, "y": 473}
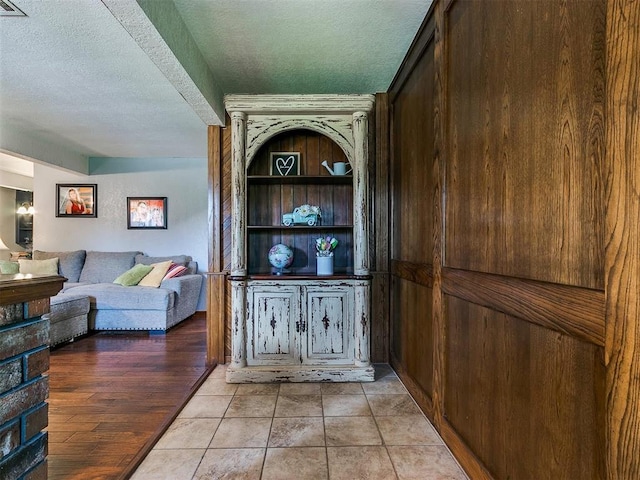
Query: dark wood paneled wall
{"x": 525, "y": 138}
{"x": 622, "y": 239}
{"x": 497, "y": 205}
{"x": 415, "y": 226}
{"x": 379, "y": 231}
{"x": 218, "y": 293}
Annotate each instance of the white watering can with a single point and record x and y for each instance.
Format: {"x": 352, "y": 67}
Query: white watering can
{"x": 339, "y": 168}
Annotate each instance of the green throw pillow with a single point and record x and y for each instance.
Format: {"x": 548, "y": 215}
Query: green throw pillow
{"x": 7, "y": 267}
{"x": 133, "y": 276}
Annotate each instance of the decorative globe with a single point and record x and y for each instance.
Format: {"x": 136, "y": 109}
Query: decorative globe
{"x": 280, "y": 256}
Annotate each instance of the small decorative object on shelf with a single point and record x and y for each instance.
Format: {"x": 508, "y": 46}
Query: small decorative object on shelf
{"x": 339, "y": 168}
{"x": 281, "y": 257}
{"x": 324, "y": 255}
{"x": 285, "y": 164}
{"x": 303, "y": 215}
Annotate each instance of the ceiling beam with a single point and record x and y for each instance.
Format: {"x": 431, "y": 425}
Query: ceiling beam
{"x": 41, "y": 147}
{"x": 158, "y": 29}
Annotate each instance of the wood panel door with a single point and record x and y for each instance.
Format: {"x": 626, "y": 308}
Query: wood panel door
{"x": 273, "y": 325}
{"x": 328, "y": 327}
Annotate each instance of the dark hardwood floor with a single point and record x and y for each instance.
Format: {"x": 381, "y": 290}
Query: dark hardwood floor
{"x": 112, "y": 393}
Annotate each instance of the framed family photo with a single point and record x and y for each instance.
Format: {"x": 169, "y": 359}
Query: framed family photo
{"x": 146, "y": 212}
{"x": 76, "y": 200}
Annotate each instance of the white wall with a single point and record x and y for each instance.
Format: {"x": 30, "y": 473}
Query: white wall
{"x": 8, "y": 222}
{"x": 10, "y": 181}
{"x": 182, "y": 181}
{"x": 15, "y": 180}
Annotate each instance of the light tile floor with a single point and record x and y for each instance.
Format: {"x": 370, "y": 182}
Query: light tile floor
{"x": 301, "y": 431}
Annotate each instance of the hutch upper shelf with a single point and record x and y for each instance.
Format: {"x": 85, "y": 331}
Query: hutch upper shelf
{"x": 300, "y": 179}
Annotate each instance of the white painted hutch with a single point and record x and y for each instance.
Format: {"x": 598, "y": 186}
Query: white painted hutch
{"x": 299, "y": 327}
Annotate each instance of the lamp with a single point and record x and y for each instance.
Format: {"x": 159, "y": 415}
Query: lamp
{"x": 26, "y": 209}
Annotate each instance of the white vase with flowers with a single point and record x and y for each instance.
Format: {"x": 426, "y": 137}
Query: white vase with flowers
{"x": 324, "y": 255}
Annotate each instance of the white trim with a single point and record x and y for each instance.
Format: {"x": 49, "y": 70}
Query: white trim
{"x": 299, "y": 104}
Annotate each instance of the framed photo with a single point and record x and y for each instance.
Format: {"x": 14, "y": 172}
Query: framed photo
{"x": 284, "y": 164}
{"x": 146, "y": 212}
{"x": 76, "y": 200}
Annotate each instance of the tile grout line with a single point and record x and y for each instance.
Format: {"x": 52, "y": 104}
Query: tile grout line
{"x": 266, "y": 448}
{"x": 200, "y": 462}
{"x": 324, "y": 431}
{"x": 193, "y": 477}
{"x": 384, "y": 443}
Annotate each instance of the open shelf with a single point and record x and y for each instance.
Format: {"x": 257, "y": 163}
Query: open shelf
{"x": 300, "y": 180}
{"x": 300, "y": 227}
{"x": 300, "y": 276}
{"x": 269, "y": 197}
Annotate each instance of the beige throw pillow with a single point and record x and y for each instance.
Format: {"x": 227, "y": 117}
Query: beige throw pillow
{"x": 154, "y": 278}
{"x": 39, "y": 267}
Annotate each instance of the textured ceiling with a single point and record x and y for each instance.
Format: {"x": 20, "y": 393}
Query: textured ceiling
{"x": 136, "y": 78}
{"x": 70, "y": 74}
{"x": 303, "y": 46}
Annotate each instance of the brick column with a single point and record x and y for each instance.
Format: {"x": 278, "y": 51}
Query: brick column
{"x": 24, "y": 358}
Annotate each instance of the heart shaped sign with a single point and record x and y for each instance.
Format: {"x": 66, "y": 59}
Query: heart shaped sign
{"x": 285, "y": 166}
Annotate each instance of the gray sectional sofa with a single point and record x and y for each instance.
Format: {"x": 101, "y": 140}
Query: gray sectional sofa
{"x": 68, "y": 317}
{"x": 115, "y": 307}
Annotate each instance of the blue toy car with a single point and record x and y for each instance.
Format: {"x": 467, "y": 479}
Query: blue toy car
{"x": 302, "y": 215}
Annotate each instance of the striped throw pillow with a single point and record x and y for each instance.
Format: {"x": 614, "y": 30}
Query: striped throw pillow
{"x": 175, "y": 270}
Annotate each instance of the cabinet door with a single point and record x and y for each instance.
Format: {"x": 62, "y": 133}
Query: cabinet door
{"x": 329, "y": 330}
{"x": 273, "y": 325}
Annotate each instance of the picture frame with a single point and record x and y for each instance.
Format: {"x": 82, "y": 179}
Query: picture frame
{"x": 284, "y": 164}
{"x": 147, "y": 213}
{"x": 77, "y": 200}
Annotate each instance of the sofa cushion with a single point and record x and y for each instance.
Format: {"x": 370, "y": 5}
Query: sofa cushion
{"x": 110, "y": 296}
{"x": 183, "y": 260}
{"x": 67, "y": 305}
{"x": 69, "y": 265}
{"x": 104, "y": 267}
{"x": 179, "y": 259}
{"x": 7, "y": 267}
{"x": 133, "y": 276}
{"x": 39, "y": 267}
{"x": 154, "y": 278}
{"x": 71, "y": 285}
